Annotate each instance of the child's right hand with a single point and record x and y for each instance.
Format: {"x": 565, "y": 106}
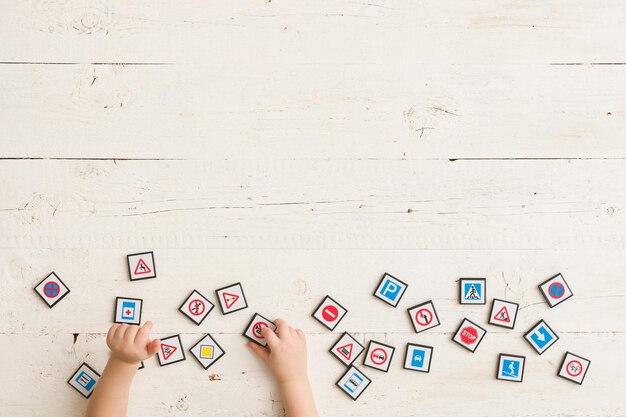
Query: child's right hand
{"x": 286, "y": 356}
{"x": 131, "y": 343}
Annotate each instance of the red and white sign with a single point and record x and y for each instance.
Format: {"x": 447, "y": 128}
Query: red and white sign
{"x": 469, "y": 335}
{"x": 574, "y": 368}
{"x": 329, "y": 313}
{"x": 347, "y": 349}
{"x": 167, "y": 350}
{"x": 141, "y": 266}
{"x": 253, "y": 331}
{"x": 231, "y": 298}
{"x": 379, "y": 356}
{"x": 503, "y": 313}
{"x": 423, "y": 316}
{"x": 196, "y": 307}
{"x": 171, "y": 351}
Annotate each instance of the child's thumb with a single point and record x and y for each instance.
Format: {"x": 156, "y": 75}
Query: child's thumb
{"x": 260, "y": 351}
{"x": 153, "y": 346}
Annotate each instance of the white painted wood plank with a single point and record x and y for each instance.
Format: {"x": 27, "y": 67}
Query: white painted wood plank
{"x": 314, "y": 204}
{"x": 314, "y": 32}
{"x": 310, "y": 111}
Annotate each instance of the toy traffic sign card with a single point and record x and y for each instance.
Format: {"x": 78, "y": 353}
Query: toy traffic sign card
{"x": 84, "y": 380}
{"x": 347, "y": 349}
{"x": 390, "y": 289}
{"x": 141, "y": 266}
{"x": 503, "y": 313}
{"x": 353, "y": 383}
{"x": 469, "y": 335}
{"x": 511, "y": 367}
{"x": 196, "y": 307}
{"x": 574, "y": 368}
{"x": 127, "y": 310}
{"x": 541, "y": 337}
{"x": 329, "y": 313}
{"x": 207, "y": 351}
{"x": 231, "y": 298}
{"x": 171, "y": 351}
{"x": 555, "y": 290}
{"x": 378, "y": 356}
{"x": 423, "y": 316}
{"x": 418, "y": 357}
{"x": 472, "y": 291}
{"x": 253, "y": 330}
{"x": 51, "y": 289}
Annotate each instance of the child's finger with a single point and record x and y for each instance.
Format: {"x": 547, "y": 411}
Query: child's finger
{"x": 131, "y": 332}
{"x": 270, "y": 337}
{"x": 281, "y": 326}
{"x": 111, "y": 333}
{"x": 260, "y": 351}
{"x": 119, "y": 332}
{"x": 153, "y": 347}
{"x": 300, "y": 333}
{"x": 145, "y": 330}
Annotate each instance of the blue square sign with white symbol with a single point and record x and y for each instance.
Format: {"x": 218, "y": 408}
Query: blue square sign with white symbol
{"x": 84, "y": 380}
{"x": 418, "y": 357}
{"x": 541, "y": 337}
{"x": 390, "y": 289}
{"x": 511, "y": 367}
{"x": 473, "y": 291}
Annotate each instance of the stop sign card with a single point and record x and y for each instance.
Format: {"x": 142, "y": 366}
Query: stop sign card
{"x": 329, "y": 313}
{"x": 378, "y": 356}
{"x": 347, "y": 349}
{"x": 555, "y": 290}
{"x": 469, "y": 335}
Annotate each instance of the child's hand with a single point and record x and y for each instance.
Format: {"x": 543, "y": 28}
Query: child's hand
{"x": 132, "y": 344}
{"x": 286, "y": 356}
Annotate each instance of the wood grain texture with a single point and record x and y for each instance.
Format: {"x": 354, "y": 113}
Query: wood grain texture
{"x": 304, "y": 148}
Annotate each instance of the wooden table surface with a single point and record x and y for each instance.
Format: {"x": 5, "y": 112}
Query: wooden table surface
{"x": 304, "y": 148}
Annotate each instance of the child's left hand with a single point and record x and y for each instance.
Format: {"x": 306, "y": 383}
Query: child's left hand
{"x": 132, "y": 344}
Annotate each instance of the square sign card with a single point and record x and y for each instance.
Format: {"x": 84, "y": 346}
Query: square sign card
{"x": 390, "y": 289}
{"x": 141, "y": 266}
{"x": 541, "y": 337}
{"x": 418, "y": 357}
{"x": 555, "y": 290}
{"x": 207, "y": 351}
{"x": 472, "y": 290}
{"x": 52, "y": 290}
{"x": 511, "y": 367}
{"x": 574, "y": 368}
{"x": 353, "y": 383}
{"x": 84, "y": 380}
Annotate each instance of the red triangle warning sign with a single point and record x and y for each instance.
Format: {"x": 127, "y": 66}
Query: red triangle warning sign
{"x": 167, "y": 350}
{"x": 503, "y": 315}
{"x": 230, "y": 299}
{"x": 345, "y": 351}
{"x": 142, "y": 268}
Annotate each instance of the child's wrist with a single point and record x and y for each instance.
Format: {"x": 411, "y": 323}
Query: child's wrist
{"x": 120, "y": 362}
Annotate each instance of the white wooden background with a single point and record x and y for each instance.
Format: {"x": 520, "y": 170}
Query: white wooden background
{"x": 304, "y": 148}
